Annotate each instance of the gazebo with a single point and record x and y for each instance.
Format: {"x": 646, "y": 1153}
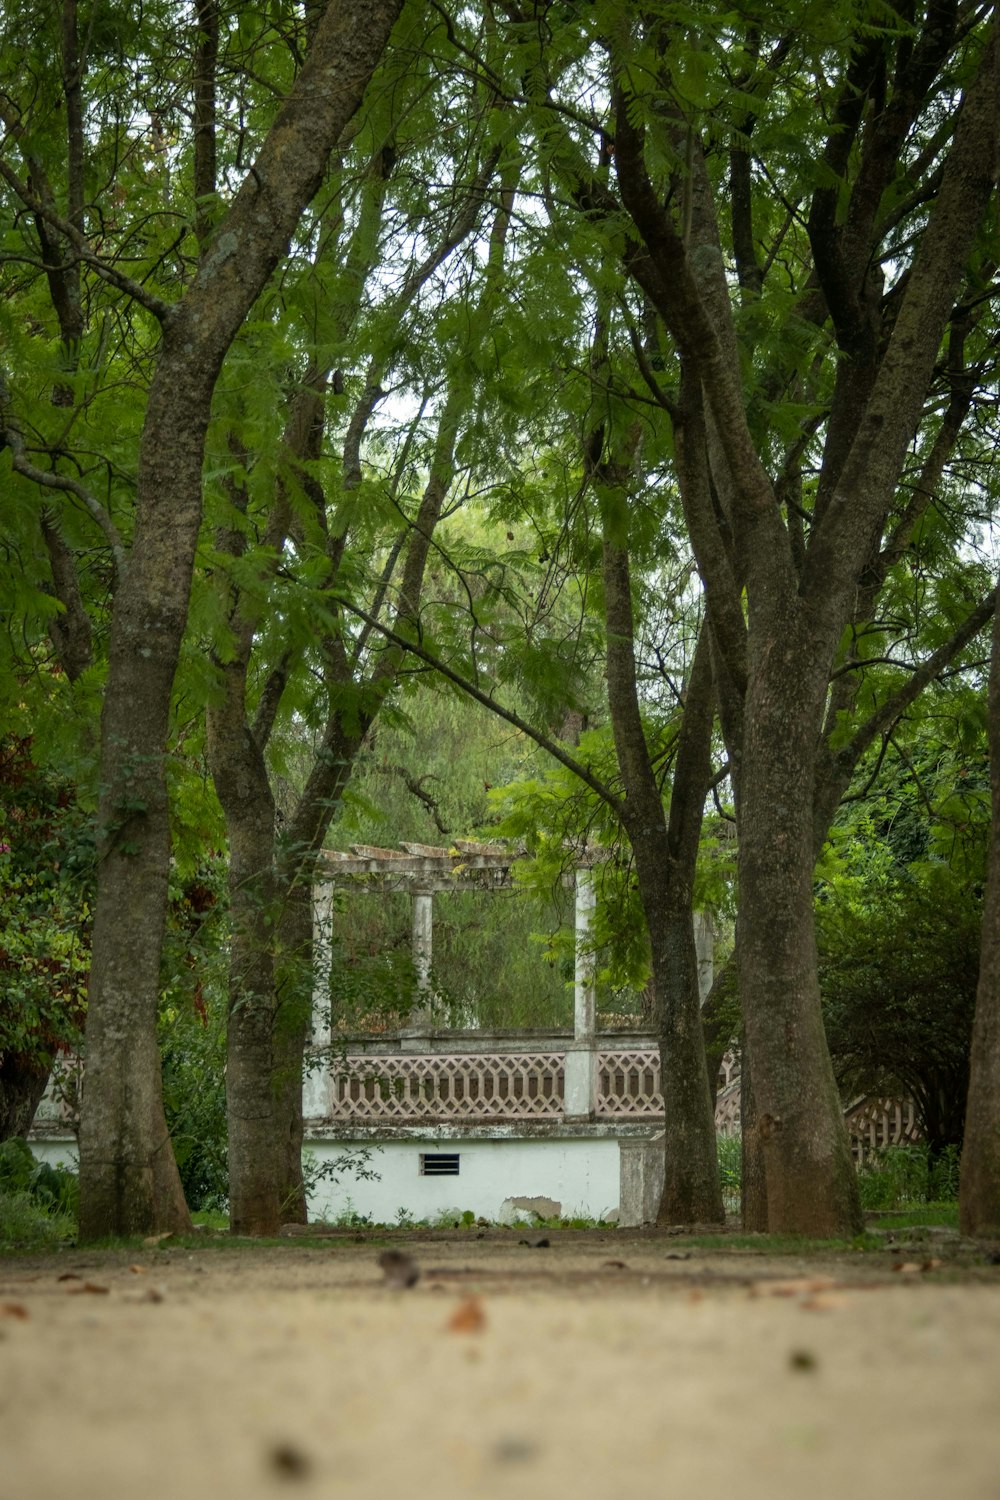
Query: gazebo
{"x": 525, "y": 1121}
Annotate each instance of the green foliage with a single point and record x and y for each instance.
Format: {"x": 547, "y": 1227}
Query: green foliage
{"x": 25, "y": 1224}
{"x": 898, "y": 1176}
{"x": 729, "y": 1149}
{"x": 899, "y": 964}
{"x": 37, "y": 1202}
{"x": 192, "y": 1034}
{"x": 46, "y": 885}
{"x": 427, "y": 777}
{"x": 54, "y": 1189}
{"x": 193, "y": 1052}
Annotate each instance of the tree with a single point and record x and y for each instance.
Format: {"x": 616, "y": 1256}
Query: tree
{"x": 898, "y": 972}
{"x": 796, "y": 376}
{"x": 46, "y": 881}
{"x": 979, "y": 1182}
{"x": 128, "y": 1177}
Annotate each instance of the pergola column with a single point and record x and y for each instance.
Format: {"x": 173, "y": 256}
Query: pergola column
{"x": 315, "y": 1085}
{"x": 704, "y": 942}
{"x": 580, "y": 1078}
{"x": 422, "y": 916}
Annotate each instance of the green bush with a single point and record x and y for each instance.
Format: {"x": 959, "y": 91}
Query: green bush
{"x": 900, "y": 1176}
{"x": 52, "y": 1189}
{"x": 26, "y": 1225}
{"x": 194, "y": 1101}
{"x": 37, "y": 1202}
{"x": 730, "y": 1154}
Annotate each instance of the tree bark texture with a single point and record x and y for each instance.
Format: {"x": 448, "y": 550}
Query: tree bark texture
{"x": 128, "y": 1179}
{"x": 22, "y": 1084}
{"x": 665, "y": 865}
{"x": 244, "y": 789}
{"x": 811, "y": 1182}
{"x": 979, "y": 1187}
{"x": 799, "y": 600}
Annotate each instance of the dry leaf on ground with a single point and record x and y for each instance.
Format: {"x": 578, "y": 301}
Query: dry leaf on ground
{"x": 798, "y": 1286}
{"x": 468, "y": 1317}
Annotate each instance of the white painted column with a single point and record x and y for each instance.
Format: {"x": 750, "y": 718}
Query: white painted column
{"x": 704, "y": 942}
{"x": 423, "y": 950}
{"x": 580, "y": 1096}
{"x": 316, "y": 1083}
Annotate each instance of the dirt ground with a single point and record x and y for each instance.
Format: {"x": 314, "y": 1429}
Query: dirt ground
{"x": 597, "y": 1364}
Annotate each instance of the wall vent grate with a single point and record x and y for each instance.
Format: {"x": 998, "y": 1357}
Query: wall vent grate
{"x": 439, "y": 1163}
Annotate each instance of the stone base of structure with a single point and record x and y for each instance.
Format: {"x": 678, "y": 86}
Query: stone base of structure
{"x": 498, "y": 1172}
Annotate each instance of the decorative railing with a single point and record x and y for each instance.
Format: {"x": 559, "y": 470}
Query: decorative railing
{"x": 874, "y": 1123}
{"x": 488, "y": 1086}
{"x": 406, "y": 1087}
{"x": 628, "y": 1084}
{"x": 401, "y": 1087}
{"x": 729, "y": 1109}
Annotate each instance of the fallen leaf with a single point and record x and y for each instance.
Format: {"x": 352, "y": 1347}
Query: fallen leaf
{"x": 794, "y": 1287}
{"x": 823, "y": 1301}
{"x": 89, "y": 1286}
{"x": 468, "y": 1317}
{"x": 614, "y": 1265}
{"x": 154, "y": 1294}
{"x": 13, "y": 1310}
{"x": 70, "y": 1276}
{"x": 696, "y": 1294}
{"x": 152, "y": 1240}
{"x": 138, "y": 1270}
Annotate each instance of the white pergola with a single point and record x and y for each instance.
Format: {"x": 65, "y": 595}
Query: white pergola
{"x": 422, "y": 871}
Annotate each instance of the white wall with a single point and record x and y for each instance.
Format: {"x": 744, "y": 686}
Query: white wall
{"x": 57, "y": 1151}
{"x": 581, "y": 1176}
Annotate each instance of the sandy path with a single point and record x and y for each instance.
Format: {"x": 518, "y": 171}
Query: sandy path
{"x": 298, "y": 1370}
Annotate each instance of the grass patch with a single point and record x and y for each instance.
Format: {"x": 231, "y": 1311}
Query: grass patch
{"x": 781, "y": 1244}
{"x": 25, "y": 1224}
{"x": 928, "y": 1216}
{"x": 210, "y": 1218}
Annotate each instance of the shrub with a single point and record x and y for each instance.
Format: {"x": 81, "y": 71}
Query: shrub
{"x": 900, "y": 1176}
{"x": 37, "y": 1202}
{"x": 730, "y": 1154}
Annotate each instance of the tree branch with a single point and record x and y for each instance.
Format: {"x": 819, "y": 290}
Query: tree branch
{"x": 543, "y": 741}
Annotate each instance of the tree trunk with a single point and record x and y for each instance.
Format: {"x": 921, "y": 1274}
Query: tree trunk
{"x": 128, "y": 1179}
{"x": 692, "y": 1193}
{"x": 665, "y": 858}
{"x": 243, "y": 788}
{"x": 753, "y": 1181}
{"x": 811, "y": 1183}
{"x": 979, "y": 1189}
{"x": 292, "y": 1029}
{"x": 22, "y": 1084}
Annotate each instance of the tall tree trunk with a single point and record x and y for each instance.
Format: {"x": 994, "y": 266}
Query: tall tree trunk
{"x": 292, "y": 1030}
{"x": 244, "y": 789}
{"x": 753, "y": 1182}
{"x": 22, "y": 1084}
{"x": 128, "y": 1179}
{"x": 665, "y": 858}
{"x": 811, "y": 1183}
{"x": 979, "y": 1189}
